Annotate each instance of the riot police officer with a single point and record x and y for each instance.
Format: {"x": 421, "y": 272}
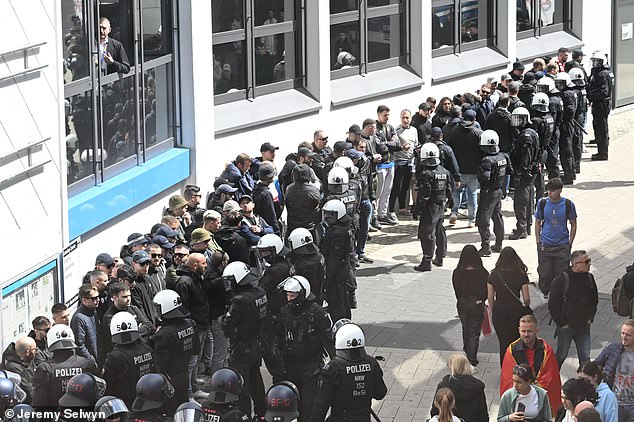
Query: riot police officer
{"x": 154, "y": 392}
{"x": 493, "y": 168}
{"x": 174, "y": 344}
{"x": 556, "y": 109}
{"x": 336, "y": 247}
{"x": 307, "y": 260}
{"x": 11, "y": 394}
{"x": 578, "y": 78}
{"x": 544, "y": 125}
{"x": 305, "y": 338}
{"x": 278, "y": 267}
{"x": 109, "y": 408}
{"x": 348, "y": 383}
{"x": 355, "y": 187}
{"x": 189, "y": 412}
{"x": 51, "y": 376}
{"x": 282, "y": 403}
{"x": 447, "y": 156}
{"x": 221, "y": 405}
{"x": 599, "y": 94}
{"x": 339, "y": 188}
{"x": 433, "y": 189}
{"x": 82, "y": 392}
{"x": 129, "y": 360}
{"x": 241, "y": 325}
{"x": 567, "y": 129}
{"x": 526, "y": 165}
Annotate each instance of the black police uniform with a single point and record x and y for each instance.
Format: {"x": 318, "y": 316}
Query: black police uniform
{"x": 305, "y": 337}
{"x": 174, "y": 344}
{"x": 124, "y": 366}
{"x": 544, "y": 125}
{"x": 223, "y": 413}
{"x": 149, "y": 416}
{"x": 311, "y": 266}
{"x": 580, "y": 118}
{"x": 348, "y": 387}
{"x": 242, "y": 325}
{"x": 336, "y": 246}
{"x": 433, "y": 189}
{"x": 351, "y": 198}
{"x": 279, "y": 270}
{"x": 526, "y": 166}
{"x": 448, "y": 160}
{"x": 492, "y": 171}
{"x": 567, "y": 131}
{"x": 556, "y": 109}
{"x": 599, "y": 93}
{"x": 51, "y": 377}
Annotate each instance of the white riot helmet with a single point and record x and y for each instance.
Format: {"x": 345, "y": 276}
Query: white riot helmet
{"x": 169, "y": 305}
{"x": 333, "y": 211}
{"x": 300, "y": 237}
{"x": 540, "y": 102}
{"x": 71, "y": 141}
{"x": 350, "y": 342}
{"x": 124, "y": 328}
{"x": 269, "y": 246}
{"x": 599, "y": 58}
{"x": 577, "y": 76}
{"x": 60, "y": 337}
{"x": 239, "y": 273}
{"x": 563, "y": 81}
{"x": 490, "y": 141}
{"x": 338, "y": 180}
{"x": 520, "y": 117}
{"x": 346, "y": 59}
{"x": 346, "y": 163}
{"x": 297, "y": 284}
{"x": 546, "y": 85}
{"x": 429, "y": 154}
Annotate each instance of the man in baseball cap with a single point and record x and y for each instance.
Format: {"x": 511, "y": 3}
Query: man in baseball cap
{"x": 268, "y": 154}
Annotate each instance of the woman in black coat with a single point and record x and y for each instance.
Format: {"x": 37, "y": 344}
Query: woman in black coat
{"x": 507, "y": 280}
{"x": 470, "y": 286}
{"x": 471, "y": 403}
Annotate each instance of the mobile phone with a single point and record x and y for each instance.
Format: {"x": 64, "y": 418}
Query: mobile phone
{"x": 521, "y": 407}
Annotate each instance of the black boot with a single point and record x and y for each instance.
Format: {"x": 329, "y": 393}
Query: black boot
{"x": 518, "y": 234}
{"x": 425, "y": 265}
{"x": 437, "y": 261}
{"x": 578, "y": 167}
{"x": 485, "y": 250}
{"x": 599, "y": 157}
{"x": 496, "y": 248}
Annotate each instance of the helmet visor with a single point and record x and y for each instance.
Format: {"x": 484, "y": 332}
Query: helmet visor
{"x": 329, "y": 217}
{"x": 111, "y": 408}
{"x": 518, "y": 120}
{"x": 189, "y": 415}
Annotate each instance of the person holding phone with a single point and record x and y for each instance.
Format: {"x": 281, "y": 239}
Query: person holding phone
{"x": 524, "y": 401}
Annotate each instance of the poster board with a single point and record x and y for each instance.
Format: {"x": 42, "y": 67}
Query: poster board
{"x": 27, "y": 297}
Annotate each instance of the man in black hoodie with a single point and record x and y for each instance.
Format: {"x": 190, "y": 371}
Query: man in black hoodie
{"x": 22, "y": 357}
{"x": 573, "y": 304}
{"x": 302, "y": 200}
{"x": 422, "y": 122}
{"x": 230, "y": 239}
{"x": 141, "y": 293}
{"x": 263, "y": 199}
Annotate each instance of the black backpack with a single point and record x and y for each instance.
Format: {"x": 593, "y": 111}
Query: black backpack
{"x": 621, "y": 302}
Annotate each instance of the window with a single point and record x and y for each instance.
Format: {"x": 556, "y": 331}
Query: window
{"x": 462, "y": 25}
{"x": 537, "y": 17}
{"x": 256, "y": 47}
{"x": 117, "y": 115}
{"x": 367, "y": 35}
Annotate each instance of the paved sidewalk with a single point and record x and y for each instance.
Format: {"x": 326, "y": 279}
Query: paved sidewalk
{"x": 410, "y": 317}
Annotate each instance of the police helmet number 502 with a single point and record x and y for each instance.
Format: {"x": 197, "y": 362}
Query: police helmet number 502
{"x": 353, "y": 342}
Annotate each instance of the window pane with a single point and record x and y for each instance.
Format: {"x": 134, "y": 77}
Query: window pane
{"x": 549, "y": 12}
{"x": 229, "y": 66}
{"x": 375, "y": 3}
{"x": 474, "y": 20}
{"x": 79, "y": 136}
{"x": 270, "y": 67}
{"x": 156, "y": 28}
{"x": 75, "y": 42}
{"x": 442, "y": 26}
{"x": 158, "y": 102}
{"x": 119, "y": 125}
{"x": 268, "y": 12}
{"x": 344, "y": 38}
{"x": 384, "y": 40}
{"x": 120, "y": 15}
{"x": 338, "y": 6}
{"x": 227, "y": 15}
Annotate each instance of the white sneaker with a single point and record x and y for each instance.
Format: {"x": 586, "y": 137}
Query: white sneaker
{"x": 393, "y": 216}
{"x": 200, "y": 394}
{"x": 452, "y": 219}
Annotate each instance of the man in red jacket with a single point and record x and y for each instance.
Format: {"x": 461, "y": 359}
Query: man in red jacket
{"x": 539, "y": 355}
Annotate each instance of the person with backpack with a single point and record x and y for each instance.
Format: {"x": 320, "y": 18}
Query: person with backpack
{"x": 623, "y": 294}
{"x": 554, "y": 239}
{"x": 573, "y": 304}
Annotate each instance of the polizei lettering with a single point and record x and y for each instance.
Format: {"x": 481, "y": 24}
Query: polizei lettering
{"x": 362, "y": 367}
{"x": 502, "y": 162}
{"x": 260, "y": 301}
{"x": 67, "y": 372}
{"x": 186, "y": 332}
{"x": 142, "y": 358}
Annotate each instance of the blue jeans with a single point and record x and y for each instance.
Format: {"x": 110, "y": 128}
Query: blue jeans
{"x": 219, "y": 354}
{"x": 582, "y": 339}
{"x": 192, "y": 368}
{"x": 365, "y": 215}
{"x": 469, "y": 187}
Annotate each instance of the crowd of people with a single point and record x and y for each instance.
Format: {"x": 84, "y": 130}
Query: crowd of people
{"x": 266, "y": 271}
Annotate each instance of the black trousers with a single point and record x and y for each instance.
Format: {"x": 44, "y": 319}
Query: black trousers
{"x": 431, "y": 231}
{"x": 400, "y": 187}
{"x": 337, "y": 298}
{"x": 490, "y": 208}
{"x": 523, "y": 201}
{"x": 601, "y": 130}
{"x": 577, "y": 140}
{"x": 552, "y": 152}
{"x": 246, "y": 361}
{"x": 305, "y": 376}
{"x": 471, "y": 315}
{"x": 565, "y": 148}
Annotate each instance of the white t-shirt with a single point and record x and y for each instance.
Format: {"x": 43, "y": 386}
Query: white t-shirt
{"x": 624, "y": 379}
{"x": 531, "y": 401}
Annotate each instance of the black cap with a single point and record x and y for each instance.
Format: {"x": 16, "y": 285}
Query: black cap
{"x": 341, "y": 146}
{"x": 518, "y": 66}
{"x": 304, "y": 151}
{"x": 424, "y": 106}
{"x": 436, "y": 132}
{"x": 577, "y": 53}
{"x": 267, "y": 146}
{"x": 355, "y": 129}
{"x": 105, "y": 259}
